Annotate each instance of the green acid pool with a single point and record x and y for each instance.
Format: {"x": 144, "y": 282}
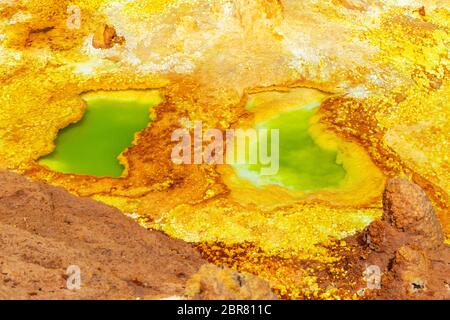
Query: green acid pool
{"x": 304, "y": 164}
{"x": 92, "y": 145}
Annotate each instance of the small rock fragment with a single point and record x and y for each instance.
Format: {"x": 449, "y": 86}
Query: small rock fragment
{"x": 422, "y": 11}
{"x": 214, "y": 283}
{"x": 374, "y": 235}
{"x": 105, "y": 37}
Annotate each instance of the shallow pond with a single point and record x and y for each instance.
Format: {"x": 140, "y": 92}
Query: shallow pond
{"x": 92, "y": 145}
{"x": 303, "y": 164}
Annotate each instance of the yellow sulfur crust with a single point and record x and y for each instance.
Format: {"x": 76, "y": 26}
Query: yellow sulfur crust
{"x": 383, "y": 65}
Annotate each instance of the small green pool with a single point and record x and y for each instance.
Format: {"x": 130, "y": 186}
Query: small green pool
{"x": 303, "y": 164}
{"x": 92, "y": 145}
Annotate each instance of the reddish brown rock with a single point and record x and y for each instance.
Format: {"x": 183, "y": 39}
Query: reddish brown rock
{"x": 105, "y": 37}
{"x": 44, "y": 230}
{"x": 412, "y": 268}
{"x": 375, "y": 235}
{"x": 408, "y": 246}
{"x": 408, "y": 209}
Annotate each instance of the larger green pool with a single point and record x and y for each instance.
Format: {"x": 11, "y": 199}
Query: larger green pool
{"x": 304, "y": 165}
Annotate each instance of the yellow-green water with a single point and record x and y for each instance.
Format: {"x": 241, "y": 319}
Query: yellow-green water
{"x": 92, "y": 145}
{"x": 303, "y": 164}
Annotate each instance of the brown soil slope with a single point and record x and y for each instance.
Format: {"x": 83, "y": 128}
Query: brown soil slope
{"x": 44, "y": 230}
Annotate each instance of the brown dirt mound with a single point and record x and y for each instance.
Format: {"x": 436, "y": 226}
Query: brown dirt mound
{"x": 44, "y": 230}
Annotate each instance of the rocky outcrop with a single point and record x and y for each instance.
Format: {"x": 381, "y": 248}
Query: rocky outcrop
{"x": 408, "y": 246}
